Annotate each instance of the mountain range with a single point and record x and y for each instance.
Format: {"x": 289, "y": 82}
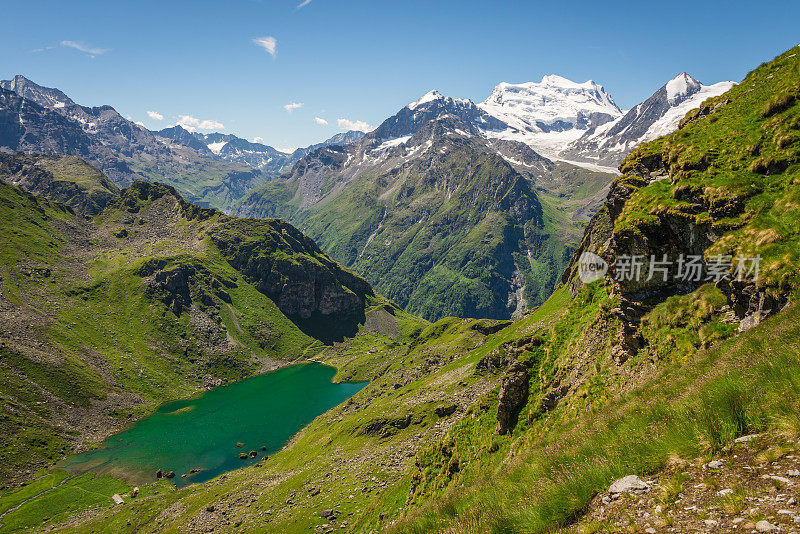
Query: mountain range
{"x": 448, "y": 207}
{"x": 214, "y": 170}
{"x": 453, "y": 208}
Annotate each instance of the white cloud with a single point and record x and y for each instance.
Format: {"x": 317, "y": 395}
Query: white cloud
{"x": 303, "y": 4}
{"x": 258, "y": 140}
{"x": 293, "y": 106}
{"x": 286, "y": 149}
{"x": 139, "y": 123}
{"x": 155, "y": 115}
{"x": 193, "y": 124}
{"x": 85, "y": 48}
{"x": 42, "y": 49}
{"x": 361, "y": 126}
{"x": 268, "y": 43}
{"x": 321, "y": 121}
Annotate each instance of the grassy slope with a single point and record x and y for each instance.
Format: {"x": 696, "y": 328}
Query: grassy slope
{"x": 740, "y": 162}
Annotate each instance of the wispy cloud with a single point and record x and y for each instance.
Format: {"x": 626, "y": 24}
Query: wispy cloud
{"x": 293, "y": 106}
{"x": 302, "y": 4}
{"x": 42, "y": 49}
{"x": 193, "y": 124}
{"x": 258, "y": 140}
{"x": 155, "y": 115}
{"x": 321, "y": 121}
{"x": 92, "y": 51}
{"x": 268, "y": 43}
{"x": 286, "y": 149}
{"x": 139, "y": 123}
{"x": 361, "y": 126}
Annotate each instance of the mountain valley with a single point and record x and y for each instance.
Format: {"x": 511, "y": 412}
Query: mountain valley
{"x": 440, "y": 262}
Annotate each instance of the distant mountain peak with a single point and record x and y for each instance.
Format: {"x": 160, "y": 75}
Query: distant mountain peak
{"x": 658, "y": 115}
{"x": 430, "y": 96}
{"x": 436, "y": 96}
{"x": 680, "y": 87}
{"x": 44, "y": 96}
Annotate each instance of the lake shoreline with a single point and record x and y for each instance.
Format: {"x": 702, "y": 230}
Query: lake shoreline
{"x": 187, "y": 434}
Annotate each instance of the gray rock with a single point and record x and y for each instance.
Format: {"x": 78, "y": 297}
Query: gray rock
{"x": 628, "y": 484}
{"x": 793, "y": 473}
{"x": 765, "y": 526}
{"x": 714, "y": 464}
{"x": 746, "y": 439}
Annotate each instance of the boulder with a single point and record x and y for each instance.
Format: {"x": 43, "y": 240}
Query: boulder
{"x": 765, "y": 526}
{"x": 445, "y": 410}
{"x": 117, "y": 499}
{"x": 628, "y": 484}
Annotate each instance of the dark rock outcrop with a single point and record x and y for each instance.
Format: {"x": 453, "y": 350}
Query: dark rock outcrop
{"x": 513, "y": 396}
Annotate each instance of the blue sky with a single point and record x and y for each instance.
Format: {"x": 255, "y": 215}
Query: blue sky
{"x": 362, "y": 61}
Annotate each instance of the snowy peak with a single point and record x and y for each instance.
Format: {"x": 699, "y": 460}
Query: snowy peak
{"x": 429, "y": 107}
{"x": 554, "y": 104}
{"x": 681, "y": 87}
{"x": 658, "y": 115}
{"x": 430, "y": 96}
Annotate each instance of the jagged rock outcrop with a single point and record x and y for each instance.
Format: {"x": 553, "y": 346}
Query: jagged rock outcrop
{"x": 513, "y": 396}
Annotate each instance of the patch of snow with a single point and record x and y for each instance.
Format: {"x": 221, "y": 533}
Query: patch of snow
{"x": 58, "y": 105}
{"x": 392, "y": 142}
{"x": 669, "y": 122}
{"x": 216, "y": 148}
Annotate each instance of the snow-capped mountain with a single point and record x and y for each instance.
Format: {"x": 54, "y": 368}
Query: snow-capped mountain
{"x": 549, "y": 114}
{"x": 608, "y": 144}
{"x": 430, "y": 106}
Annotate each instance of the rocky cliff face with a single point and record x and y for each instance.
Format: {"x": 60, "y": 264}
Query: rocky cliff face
{"x": 274, "y": 256}
{"x": 291, "y": 269}
{"x": 701, "y": 206}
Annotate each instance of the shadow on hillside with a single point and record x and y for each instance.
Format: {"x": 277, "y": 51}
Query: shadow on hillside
{"x": 329, "y": 329}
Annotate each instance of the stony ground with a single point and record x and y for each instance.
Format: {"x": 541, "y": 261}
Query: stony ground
{"x": 752, "y": 486}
